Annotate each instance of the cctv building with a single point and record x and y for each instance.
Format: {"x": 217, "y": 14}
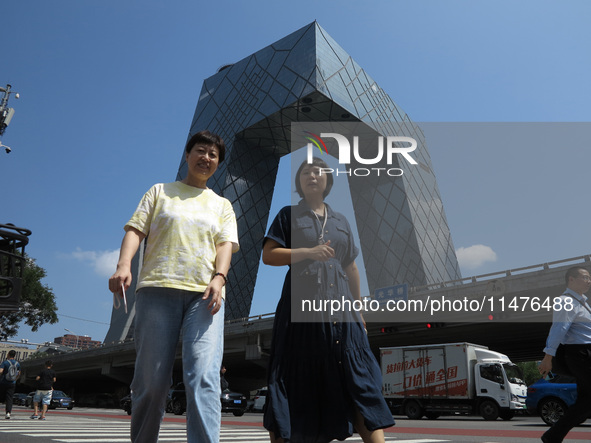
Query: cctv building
{"x": 306, "y": 77}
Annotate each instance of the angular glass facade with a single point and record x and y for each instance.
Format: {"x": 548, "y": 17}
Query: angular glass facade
{"x": 307, "y": 77}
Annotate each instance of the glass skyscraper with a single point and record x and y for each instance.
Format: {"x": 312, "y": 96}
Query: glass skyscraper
{"x": 306, "y": 77}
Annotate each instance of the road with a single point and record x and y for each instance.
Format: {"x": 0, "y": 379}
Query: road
{"x": 90, "y": 425}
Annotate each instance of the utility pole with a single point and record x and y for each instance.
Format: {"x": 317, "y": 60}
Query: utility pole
{"x": 72, "y": 332}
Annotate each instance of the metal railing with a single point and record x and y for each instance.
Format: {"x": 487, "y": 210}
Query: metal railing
{"x": 451, "y": 283}
{"x": 251, "y": 318}
{"x": 500, "y": 274}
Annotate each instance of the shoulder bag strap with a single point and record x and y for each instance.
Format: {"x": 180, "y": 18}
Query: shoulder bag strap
{"x": 583, "y": 303}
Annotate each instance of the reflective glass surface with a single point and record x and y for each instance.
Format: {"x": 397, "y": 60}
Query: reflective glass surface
{"x": 308, "y": 77}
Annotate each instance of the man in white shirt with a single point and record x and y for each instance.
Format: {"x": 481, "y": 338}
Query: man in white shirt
{"x": 572, "y": 327}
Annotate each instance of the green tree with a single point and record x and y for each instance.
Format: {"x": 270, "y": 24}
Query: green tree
{"x": 530, "y": 371}
{"x": 37, "y": 303}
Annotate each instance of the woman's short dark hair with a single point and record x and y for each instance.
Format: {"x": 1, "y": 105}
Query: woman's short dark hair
{"x": 207, "y": 138}
{"x": 315, "y": 162}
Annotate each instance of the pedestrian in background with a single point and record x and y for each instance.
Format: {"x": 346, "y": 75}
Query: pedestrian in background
{"x": 224, "y": 385}
{"x": 45, "y": 381}
{"x": 191, "y": 234}
{"x": 10, "y": 371}
{"x": 572, "y": 328}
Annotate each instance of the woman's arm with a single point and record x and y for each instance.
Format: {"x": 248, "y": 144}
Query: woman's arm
{"x": 129, "y": 246}
{"x": 355, "y": 286}
{"x": 223, "y": 258}
{"x": 276, "y": 255}
{"x": 354, "y": 280}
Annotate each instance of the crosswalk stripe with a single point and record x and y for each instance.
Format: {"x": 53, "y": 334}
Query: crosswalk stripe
{"x": 68, "y": 431}
{"x": 101, "y": 440}
{"x": 93, "y": 430}
{"x": 117, "y": 440}
{"x": 70, "y": 435}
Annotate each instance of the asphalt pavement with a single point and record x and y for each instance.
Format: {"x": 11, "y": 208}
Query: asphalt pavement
{"x": 91, "y": 425}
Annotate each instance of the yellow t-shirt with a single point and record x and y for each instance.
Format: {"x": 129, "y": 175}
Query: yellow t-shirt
{"x": 183, "y": 224}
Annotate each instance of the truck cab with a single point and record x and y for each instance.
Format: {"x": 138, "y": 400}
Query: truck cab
{"x": 499, "y": 386}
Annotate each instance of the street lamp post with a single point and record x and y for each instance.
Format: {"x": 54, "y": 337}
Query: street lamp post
{"x": 72, "y": 332}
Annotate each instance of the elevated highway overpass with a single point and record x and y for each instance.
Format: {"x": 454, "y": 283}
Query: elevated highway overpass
{"x": 518, "y": 330}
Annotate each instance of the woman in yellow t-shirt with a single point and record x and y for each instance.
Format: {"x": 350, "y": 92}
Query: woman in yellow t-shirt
{"x": 190, "y": 235}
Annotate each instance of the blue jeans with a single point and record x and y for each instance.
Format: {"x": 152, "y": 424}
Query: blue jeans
{"x": 162, "y": 316}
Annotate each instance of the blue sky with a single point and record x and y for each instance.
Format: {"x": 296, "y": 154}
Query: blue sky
{"x": 108, "y": 90}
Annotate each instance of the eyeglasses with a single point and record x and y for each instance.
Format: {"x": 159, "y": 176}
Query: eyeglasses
{"x": 584, "y": 277}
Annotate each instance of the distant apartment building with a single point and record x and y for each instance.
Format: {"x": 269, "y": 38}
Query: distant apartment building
{"x": 77, "y": 341}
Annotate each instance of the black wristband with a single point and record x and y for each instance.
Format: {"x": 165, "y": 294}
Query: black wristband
{"x": 223, "y": 276}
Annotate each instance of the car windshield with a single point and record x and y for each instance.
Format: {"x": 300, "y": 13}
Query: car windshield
{"x": 59, "y": 394}
{"x": 514, "y": 374}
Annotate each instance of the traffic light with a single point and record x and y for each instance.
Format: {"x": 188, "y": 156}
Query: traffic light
{"x": 435, "y": 325}
{"x": 388, "y": 329}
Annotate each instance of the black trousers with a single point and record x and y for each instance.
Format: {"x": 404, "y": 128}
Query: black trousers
{"x": 7, "y": 392}
{"x": 578, "y": 359}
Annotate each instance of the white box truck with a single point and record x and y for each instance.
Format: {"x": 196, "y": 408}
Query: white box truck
{"x": 452, "y": 377}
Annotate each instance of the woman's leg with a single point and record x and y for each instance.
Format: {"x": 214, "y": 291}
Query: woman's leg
{"x": 158, "y": 320}
{"x": 273, "y": 439}
{"x": 203, "y": 347}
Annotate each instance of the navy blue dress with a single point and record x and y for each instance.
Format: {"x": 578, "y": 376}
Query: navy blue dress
{"x": 320, "y": 371}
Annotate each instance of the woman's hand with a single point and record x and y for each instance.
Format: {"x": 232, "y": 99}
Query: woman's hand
{"x": 222, "y": 265}
{"x": 122, "y": 276}
{"x": 276, "y": 255}
{"x": 129, "y": 245}
{"x": 363, "y": 322}
{"x": 321, "y": 252}
{"x": 214, "y": 291}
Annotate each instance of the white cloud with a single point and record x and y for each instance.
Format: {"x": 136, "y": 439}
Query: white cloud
{"x": 103, "y": 262}
{"x": 475, "y": 256}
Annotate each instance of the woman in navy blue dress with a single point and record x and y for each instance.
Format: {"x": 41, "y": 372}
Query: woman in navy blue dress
{"x": 323, "y": 381}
